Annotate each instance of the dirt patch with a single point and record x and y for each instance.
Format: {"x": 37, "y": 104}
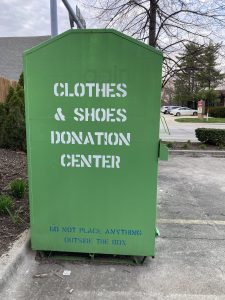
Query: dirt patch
{"x": 12, "y": 165}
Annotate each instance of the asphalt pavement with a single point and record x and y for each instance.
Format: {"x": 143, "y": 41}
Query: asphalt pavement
{"x": 189, "y": 262}
{"x": 182, "y": 132}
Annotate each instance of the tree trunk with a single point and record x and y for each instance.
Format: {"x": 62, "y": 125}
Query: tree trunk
{"x": 152, "y": 23}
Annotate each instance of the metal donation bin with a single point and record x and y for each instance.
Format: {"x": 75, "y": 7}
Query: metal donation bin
{"x": 92, "y": 120}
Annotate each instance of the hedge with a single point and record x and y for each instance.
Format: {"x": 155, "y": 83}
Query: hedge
{"x": 217, "y": 112}
{"x": 12, "y": 119}
{"x": 211, "y": 136}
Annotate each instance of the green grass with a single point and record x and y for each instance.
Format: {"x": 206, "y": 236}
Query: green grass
{"x": 17, "y": 187}
{"x": 5, "y": 204}
{"x": 196, "y": 120}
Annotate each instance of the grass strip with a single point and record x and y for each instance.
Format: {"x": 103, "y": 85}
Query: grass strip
{"x": 197, "y": 120}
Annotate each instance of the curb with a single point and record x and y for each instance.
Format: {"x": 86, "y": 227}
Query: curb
{"x": 10, "y": 261}
{"x": 197, "y": 153}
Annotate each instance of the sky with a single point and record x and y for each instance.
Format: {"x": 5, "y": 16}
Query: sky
{"x": 32, "y": 17}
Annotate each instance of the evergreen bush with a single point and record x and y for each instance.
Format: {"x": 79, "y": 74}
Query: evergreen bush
{"x": 217, "y": 112}
{"x": 211, "y": 136}
{"x": 12, "y": 119}
{"x": 2, "y": 120}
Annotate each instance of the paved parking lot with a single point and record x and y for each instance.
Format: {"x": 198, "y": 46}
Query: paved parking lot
{"x": 189, "y": 262}
{"x": 182, "y": 131}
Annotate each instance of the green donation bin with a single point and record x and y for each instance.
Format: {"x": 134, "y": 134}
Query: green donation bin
{"x": 92, "y": 102}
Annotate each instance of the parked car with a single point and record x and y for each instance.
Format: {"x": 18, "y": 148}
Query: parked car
{"x": 167, "y": 109}
{"x": 170, "y": 108}
{"x": 184, "y": 111}
{"x": 164, "y": 109}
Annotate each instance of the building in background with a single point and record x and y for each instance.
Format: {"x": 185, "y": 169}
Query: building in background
{"x": 11, "y": 53}
{"x": 221, "y": 94}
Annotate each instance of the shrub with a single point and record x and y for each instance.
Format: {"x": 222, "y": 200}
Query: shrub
{"x": 185, "y": 146}
{"x": 17, "y": 187}
{"x": 170, "y": 145}
{"x": 5, "y": 204}
{"x": 13, "y": 132}
{"x": 2, "y": 120}
{"x": 202, "y": 146}
{"x": 217, "y": 112}
{"x": 12, "y": 119}
{"x": 211, "y": 136}
{"x": 15, "y": 216}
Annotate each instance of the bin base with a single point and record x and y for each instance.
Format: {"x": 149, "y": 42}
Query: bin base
{"x": 91, "y": 258}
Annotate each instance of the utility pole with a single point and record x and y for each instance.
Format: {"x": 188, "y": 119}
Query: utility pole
{"x": 152, "y": 22}
{"x": 54, "y": 18}
{"x": 74, "y": 17}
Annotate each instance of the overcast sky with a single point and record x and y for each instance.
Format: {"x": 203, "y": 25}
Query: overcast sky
{"x": 32, "y": 17}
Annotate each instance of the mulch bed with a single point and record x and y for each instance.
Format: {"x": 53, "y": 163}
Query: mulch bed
{"x": 13, "y": 165}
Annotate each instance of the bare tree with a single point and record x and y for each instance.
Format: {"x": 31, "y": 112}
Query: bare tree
{"x": 165, "y": 24}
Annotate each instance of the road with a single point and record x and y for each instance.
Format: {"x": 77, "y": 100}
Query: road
{"x": 183, "y": 132}
{"x": 189, "y": 262}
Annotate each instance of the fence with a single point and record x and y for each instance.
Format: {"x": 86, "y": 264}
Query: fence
{"x": 4, "y": 87}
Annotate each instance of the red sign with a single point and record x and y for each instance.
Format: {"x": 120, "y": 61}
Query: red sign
{"x": 200, "y": 103}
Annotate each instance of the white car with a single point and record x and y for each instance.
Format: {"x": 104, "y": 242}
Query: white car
{"x": 184, "y": 111}
{"x": 164, "y": 109}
